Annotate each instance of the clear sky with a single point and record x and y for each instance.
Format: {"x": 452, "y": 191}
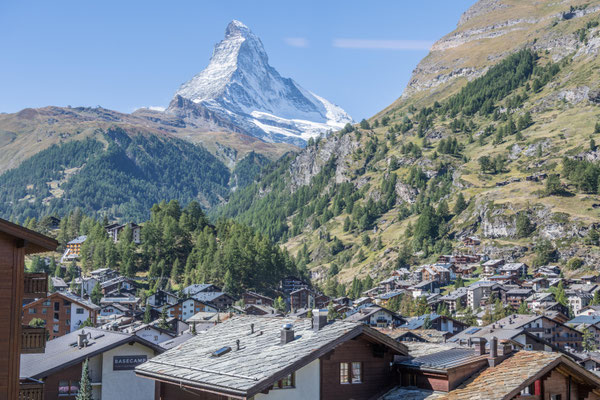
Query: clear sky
{"x": 127, "y": 54}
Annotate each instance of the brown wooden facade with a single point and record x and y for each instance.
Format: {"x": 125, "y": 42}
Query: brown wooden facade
{"x": 15, "y": 243}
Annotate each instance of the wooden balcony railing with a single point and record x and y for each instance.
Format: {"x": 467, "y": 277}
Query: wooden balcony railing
{"x": 33, "y": 340}
{"x": 35, "y": 285}
{"x": 31, "y": 390}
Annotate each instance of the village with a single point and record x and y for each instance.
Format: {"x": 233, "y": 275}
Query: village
{"x": 418, "y": 334}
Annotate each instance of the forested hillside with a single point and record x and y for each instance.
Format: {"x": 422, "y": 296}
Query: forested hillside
{"x": 500, "y": 144}
{"x": 179, "y": 247}
{"x": 116, "y": 173}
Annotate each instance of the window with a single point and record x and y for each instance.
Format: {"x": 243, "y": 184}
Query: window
{"x": 79, "y": 310}
{"x": 344, "y": 373}
{"x": 46, "y": 303}
{"x": 56, "y": 306}
{"x": 356, "y": 372}
{"x": 289, "y": 382}
{"x": 55, "y": 328}
{"x": 68, "y": 388}
{"x": 32, "y": 311}
{"x": 44, "y": 310}
{"x": 555, "y": 397}
{"x": 350, "y": 372}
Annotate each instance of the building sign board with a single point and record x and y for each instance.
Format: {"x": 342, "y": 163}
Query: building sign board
{"x": 126, "y": 363}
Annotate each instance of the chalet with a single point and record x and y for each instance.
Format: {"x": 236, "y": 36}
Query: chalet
{"x": 459, "y": 259}
{"x": 491, "y": 267}
{"x": 389, "y": 284}
{"x": 161, "y": 298}
{"x": 290, "y": 284}
{"x": 465, "y": 270}
{"x": 524, "y": 375}
{"x": 255, "y": 298}
{"x": 153, "y": 333}
{"x": 547, "y": 271}
{"x": 514, "y": 297}
{"x": 15, "y": 338}
{"x": 516, "y": 269}
{"x": 578, "y": 300}
{"x": 550, "y": 330}
{"x": 435, "y": 272}
{"x": 590, "y": 323}
{"x": 219, "y": 299}
{"x": 112, "y": 357}
{"x": 118, "y": 284}
{"x": 289, "y": 359}
{"x": 590, "y": 310}
{"x": 186, "y": 308}
{"x": 59, "y": 284}
{"x": 471, "y": 241}
{"x": 376, "y": 316}
{"x": 199, "y": 288}
{"x": 104, "y": 274}
{"x": 423, "y": 288}
{"x": 321, "y": 300}
{"x": 126, "y": 300}
{"x": 455, "y": 299}
{"x": 74, "y": 246}
{"x": 505, "y": 279}
{"x": 114, "y": 231}
{"x": 109, "y": 310}
{"x": 435, "y": 321}
{"x": 402, "y": 273}
{"x": 259, "y": 309}
{"x": 540, "y": 301}
{"x": 62, "y": 312}
{"x": 302, "y": 298}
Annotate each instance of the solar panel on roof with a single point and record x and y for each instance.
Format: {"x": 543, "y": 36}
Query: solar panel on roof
{"x": 221, "y": 351}
{"x": 472, "y": 331}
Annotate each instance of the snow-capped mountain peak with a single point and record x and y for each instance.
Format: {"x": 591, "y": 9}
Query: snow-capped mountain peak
{"x": 240, "y": 84}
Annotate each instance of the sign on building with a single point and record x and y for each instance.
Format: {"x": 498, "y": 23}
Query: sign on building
{"x": 126, "y": 363}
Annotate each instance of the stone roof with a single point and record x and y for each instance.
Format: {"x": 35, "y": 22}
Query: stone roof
{"x": 429, "y": 335}
{"x": 261, "y": 359}
{"x": 78, "y": 240}
{"x": 506, "y": 380}
{"x": 419, "y": 349}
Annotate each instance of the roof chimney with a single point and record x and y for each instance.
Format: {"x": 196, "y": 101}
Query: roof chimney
{"x": 287, "y": 333}
{"x": 480, "y": 345}
{"x": 319, "y": 319}
{"x": 251, "y": 328}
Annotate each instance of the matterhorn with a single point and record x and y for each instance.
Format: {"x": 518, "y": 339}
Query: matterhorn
{"x": 239, "y": 90}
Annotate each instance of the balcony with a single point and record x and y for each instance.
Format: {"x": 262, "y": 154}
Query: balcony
{"x": 33, "y": 340}
{"x": 35, "y": 285}
{"x": 31, "y": 389}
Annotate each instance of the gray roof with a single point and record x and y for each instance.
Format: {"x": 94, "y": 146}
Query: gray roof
{"x": 77, "y": 240}
{"x": 80, "y": 300}
{"x": 62, "y": 352}
{"x": 196, "y": 288}
{"x": 208, "y": 296}
{"x": 176, "y": 341}
{"x": 445, "y": 360}
{"x": 59, "y": 282}
{"x": 261, "y": 360}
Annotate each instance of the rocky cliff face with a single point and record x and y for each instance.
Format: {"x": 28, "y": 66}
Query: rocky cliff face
{"x": 240, "y": 86}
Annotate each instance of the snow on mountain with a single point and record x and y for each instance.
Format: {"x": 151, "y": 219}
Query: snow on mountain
{"x": 239, "y": 84}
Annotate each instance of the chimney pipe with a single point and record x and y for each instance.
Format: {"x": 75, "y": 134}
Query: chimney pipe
{"x": 494, "y": 347}
{"x": 237, "y": 344}
{"x": 251, "y": 328}
{"x": 319, "y": 319}
{"x": 82, "y": 339}
{"x": 287, "y": 334}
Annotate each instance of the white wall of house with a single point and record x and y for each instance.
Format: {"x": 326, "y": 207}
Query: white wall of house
{"x": 77, "y": 318}
{"x": 125, "y": 385}
{"x": 153, "y": 335}
{"x": 307, "y": 386}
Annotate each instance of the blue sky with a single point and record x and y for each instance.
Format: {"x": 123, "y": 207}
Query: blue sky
{"x": 126, "y": 54}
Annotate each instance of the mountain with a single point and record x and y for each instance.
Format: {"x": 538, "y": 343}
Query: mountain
{"x": 494, "y": 136}
{"x": 240, "y": 88}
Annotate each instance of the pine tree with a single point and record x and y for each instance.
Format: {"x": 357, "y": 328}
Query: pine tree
{"x": 96, "y": 294}
{"x": 596, "y": 298}
{"x": 523, "y": 309}
{"x": 85, "y": 385}
{"x": 176, "y": 272}
{"x": 163, "y": 319}
{"x": 427, "y": 323}
{"x": 589, "y": 344}
{"x": 147, "y": 315}
{"x": 460, "y": 204}
{"x": 279, "y": 304}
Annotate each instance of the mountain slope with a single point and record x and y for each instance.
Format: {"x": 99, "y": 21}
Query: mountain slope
{"x": 494, "y": 136}
{"x": 240, "y": 87}
{"x": 114, "y": 172}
